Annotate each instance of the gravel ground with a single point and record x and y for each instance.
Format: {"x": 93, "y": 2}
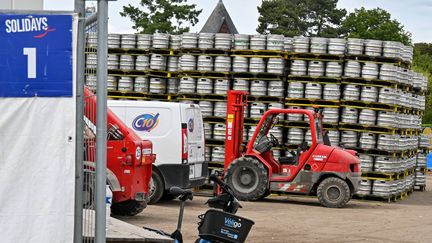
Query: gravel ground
{"x": 302, "y": 219}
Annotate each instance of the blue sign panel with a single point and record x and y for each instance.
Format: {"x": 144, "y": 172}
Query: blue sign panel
{"x": 35, "y": 55}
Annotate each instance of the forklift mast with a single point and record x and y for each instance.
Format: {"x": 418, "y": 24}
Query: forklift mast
{"x": 236, "y": 104}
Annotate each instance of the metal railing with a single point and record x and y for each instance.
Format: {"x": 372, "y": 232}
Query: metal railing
{"x": 90, "y": 217}
{"x": 89, "y": 184}
{"x": 91, "y": 23}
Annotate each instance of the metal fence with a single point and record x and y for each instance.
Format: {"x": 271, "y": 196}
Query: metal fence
{"x": 91, "y": 23}
{"x": 90, "y": 109}
{"x": 90, "y": 211}
{"x": 89, "y": 183}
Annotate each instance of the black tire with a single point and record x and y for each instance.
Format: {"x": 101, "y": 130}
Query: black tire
{"x": 156, "y": 189}
{"x": 333, "y": 192}
{"x": 128, "y": 208}
{"x": 266, "y": 194}
{"x": 89, "y": 186}
{"x": 167, "y": 196}
{"x": 248, "y": 179}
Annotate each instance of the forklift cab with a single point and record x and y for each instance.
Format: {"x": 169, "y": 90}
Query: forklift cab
{"x": 264, "y": 141}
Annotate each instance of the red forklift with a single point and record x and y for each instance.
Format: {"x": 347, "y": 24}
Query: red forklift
{"x": 129, "y": 162}
{"x": 330, "y": 173}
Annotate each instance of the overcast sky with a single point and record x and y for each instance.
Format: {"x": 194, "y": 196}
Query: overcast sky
{"x": 415, "y": 15}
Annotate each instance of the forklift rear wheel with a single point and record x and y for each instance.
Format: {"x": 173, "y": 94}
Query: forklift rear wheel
{"x": 248, "y": 178}
{"x": 128, "y": 208}
{"x": 333, "y": 192}
{"x": 156, "y": 189}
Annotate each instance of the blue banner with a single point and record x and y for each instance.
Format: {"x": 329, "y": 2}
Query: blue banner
{"x": 36, "y": 55}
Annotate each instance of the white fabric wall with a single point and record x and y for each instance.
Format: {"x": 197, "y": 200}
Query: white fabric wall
{"x": 37, "y": 172}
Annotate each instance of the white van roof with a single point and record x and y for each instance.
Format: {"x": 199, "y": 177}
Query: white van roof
{"x": 156, "y": 104}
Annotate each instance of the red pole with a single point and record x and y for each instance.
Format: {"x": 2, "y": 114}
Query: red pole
{"x": 236, "y": 104}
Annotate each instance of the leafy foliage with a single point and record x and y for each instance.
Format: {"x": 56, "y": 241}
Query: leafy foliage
{"x": 324, "y": 18}
{"x": 423, "y": 48}
{"x": 162, "y": 16}
{"x": 374, "y": 24}
{"x": 422, "y": 63}
{"x": 300, "y": 17}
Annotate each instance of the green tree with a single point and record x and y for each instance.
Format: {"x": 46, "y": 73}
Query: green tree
{"x": 374, "y": 24}
{"x": 423, "y": 48}
{"x": 300, "y": 17}
{"x": 162, "y": 16}
{"x": 422, "y": 63}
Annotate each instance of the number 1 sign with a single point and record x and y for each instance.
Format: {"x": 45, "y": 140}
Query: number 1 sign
{"x": 36, "y": 55}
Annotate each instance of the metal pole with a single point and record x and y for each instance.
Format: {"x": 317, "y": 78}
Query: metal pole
{"x": 101, "y": 120}
{"x": 91, "y": 19}
{"x": 180, "y": 218}
{"x": 79, "y": 156}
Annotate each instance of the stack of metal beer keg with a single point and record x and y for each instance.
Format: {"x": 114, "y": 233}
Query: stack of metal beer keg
{"x": 372, "y": 102}
{"x": 424, "y": 144}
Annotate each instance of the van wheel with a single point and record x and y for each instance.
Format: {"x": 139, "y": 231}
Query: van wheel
{"x": 333, "y": 192}
{"x": 128, "y": 208}
{"x": 248, "y": 178}
{"x": 156, "y": 189}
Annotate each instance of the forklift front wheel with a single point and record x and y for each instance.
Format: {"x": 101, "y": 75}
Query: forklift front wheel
{"x": 248, "y": 178}
{"x": 333, "y": 192}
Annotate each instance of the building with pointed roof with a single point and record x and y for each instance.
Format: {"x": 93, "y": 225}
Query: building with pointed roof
{"x": 219, "y": 21}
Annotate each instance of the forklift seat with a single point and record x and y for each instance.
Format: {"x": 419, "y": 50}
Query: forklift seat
{"x": 287, "y": 160}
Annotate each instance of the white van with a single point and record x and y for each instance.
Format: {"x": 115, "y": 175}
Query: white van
{"x": 177, "y": 133}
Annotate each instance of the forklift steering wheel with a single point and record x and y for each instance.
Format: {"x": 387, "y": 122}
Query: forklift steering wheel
{"x": 274, "y": 140}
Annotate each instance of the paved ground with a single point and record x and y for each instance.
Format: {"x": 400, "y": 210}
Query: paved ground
{"x": 302, "y": 219}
